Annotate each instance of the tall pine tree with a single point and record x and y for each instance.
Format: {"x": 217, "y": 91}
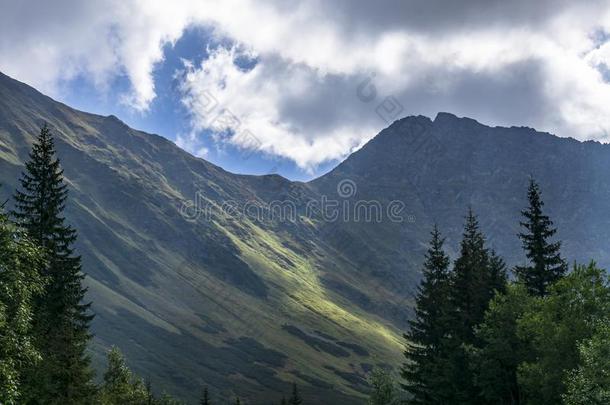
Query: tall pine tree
{"x": 473, "y": 282}
{"x": 546, "y": 265}
{"x": 476, "y": 276}
{"x": 424, "y": 353}
{"x": 62, "y": 319}
{"x": 498, "y": 274}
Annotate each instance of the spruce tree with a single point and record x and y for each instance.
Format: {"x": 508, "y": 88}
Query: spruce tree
{"x": 62, "y": 319}
{"x": 428, "y": 329}
{"x": 295, "y": 398}
{"x": 498, "y": 274}
{"x": 546, "y": 265}
{"x": 476, "y": 276}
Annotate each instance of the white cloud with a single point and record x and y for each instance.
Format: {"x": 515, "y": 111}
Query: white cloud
{"x": 244, "y": 107}
{"x": 540, "y": 64}
{"x": 47, "y": 43}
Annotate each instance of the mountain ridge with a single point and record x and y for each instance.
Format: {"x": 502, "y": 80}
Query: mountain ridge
{"x": 188, "y": 295}
{"x": 247, "y": 305}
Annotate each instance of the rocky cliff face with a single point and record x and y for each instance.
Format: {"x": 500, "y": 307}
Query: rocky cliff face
{"x": 441, "y": 167}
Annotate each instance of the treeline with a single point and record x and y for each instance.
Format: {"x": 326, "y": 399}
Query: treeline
{"x": 478, "y": 337}
{"x": 44, "y": 319}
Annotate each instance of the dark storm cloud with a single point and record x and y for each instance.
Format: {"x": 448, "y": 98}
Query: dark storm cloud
{"x": 441, "y": 16}
{"x": 507, "y": 96}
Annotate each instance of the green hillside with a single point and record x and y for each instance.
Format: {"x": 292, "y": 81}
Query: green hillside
{"x": 234, "y": 303}
{"x": 196, "y": 289}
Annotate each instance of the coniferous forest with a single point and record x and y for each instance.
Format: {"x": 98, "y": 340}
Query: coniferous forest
{"x": 534, "y": 335}
{"x": 481, "y": 333}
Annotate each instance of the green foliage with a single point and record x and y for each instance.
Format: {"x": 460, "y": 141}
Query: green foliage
{"x": 61, "y": 319}
{"x": 555, "y": 325}
{"x": 120, "y": 385}
{"x": 474, "y": 282}
{"x": 383, "y": 388}
{"x": 496, "y": 361}
{"x": 20, "y": 283}
{"x": 428, "y": 328}
{"x": 450, "y": 305}
{"x": 538, "y": 350}
{"x": 497, "y": 269}
{"x": 546, "y": 266}
{"x": 589, "y": 384}
{"x": 512, "y": 359}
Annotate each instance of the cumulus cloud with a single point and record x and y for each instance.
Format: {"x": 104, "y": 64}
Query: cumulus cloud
{"x": 275, "y": 107}
{"x": 49, "y": 43}
{"x": 544, "y": 64}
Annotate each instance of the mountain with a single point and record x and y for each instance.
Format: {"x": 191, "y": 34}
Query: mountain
{"x": 247, "y": 283}
{"x": 441, "y": 167}
{"x": 235, "y": 303}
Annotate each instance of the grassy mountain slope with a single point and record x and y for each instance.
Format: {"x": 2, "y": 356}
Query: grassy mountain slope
{"x": 248, "y": 304}
{"x": 234, "y": 303}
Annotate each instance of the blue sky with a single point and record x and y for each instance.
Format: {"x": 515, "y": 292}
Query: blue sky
{"x": 268, "y": 86}
{"x": 167, "y": 116}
